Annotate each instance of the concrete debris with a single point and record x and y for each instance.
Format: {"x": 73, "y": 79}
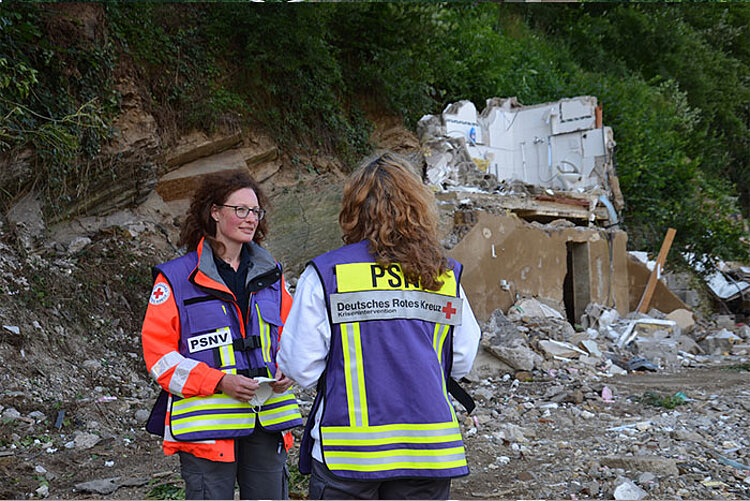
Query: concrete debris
{"x": 538, "y": 145}
{"x": 553, "y": 349}
{"x": 645, "y": 463}
{"x": 719, "y": 343}
{"x": 103, "y": 486}
{"x": 86, "y": 440}
{"x": 684, "y": 319}
{"x": 628, "y": 490}
{"x": 598, "y": 316}
{"x": 532, "y": 308}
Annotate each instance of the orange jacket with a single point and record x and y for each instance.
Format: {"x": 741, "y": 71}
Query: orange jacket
{"x": 161, "y": 338}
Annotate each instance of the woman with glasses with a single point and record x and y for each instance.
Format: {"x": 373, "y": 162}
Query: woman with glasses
{"x": 209, "y": 340}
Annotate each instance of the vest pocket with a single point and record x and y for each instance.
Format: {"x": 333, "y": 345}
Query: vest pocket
{"x": 211, "y": 331}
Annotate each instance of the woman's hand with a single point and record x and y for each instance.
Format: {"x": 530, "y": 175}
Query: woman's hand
{"x": 240, "y": 387}
{"x": 282, "y": 382}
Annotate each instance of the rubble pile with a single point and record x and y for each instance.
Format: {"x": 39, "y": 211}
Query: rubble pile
{"x": 601, "y": 412}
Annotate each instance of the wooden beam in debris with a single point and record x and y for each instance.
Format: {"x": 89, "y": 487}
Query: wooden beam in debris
{"x": 656, "y": 272}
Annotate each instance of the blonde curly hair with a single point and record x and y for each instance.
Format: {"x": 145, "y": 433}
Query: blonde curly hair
{"x": 386, "y": 203}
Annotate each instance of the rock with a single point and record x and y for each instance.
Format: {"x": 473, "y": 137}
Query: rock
{"x": 511, "y": 432}
{"x": 744, "y": 332}
{"x": 86, "y": 440}
{"x": 646, "y": 478}
{"x": 683, "y": 318}
{"x": 11, "y": 414}
{"x": 104, "y": 486}
{"x": 517, "y": 356}
{"x": 37, "y": 416}
{"x": 654, "y": 464}
{"x": 502, "y": 460}
{"x": 524, "y": 376}
{"x": 574, "y": 397}
{"x": 12, "y": 329}
{"x": 26, "y": 218}
{"x": 43, "y": 491}
{"x": 78, "y": 244}
{"x": 485, "y": 394}
{"x": 684, "y": 435}
{"x": 629, "y": 491}
{"x": 142, "y": 415}
{"x": 592, "y": 488}
{"x": 553, "y": 348}
{"x": 91, "y": 364}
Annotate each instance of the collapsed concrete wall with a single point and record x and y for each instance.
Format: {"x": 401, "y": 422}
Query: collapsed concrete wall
{"x": 663, "y": 299}
{"x": 560, "y": 145}
{"x": 506, "y": 258}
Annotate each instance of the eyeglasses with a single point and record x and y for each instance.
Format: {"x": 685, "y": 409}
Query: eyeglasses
{"x": 243, "y": 212}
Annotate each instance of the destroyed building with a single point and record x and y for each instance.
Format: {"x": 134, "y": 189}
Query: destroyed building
{"x": 536, "y": 203}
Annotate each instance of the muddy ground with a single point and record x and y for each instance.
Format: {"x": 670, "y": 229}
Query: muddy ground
{"x": 553, "y": 457}
{"x": 74, "y": 396}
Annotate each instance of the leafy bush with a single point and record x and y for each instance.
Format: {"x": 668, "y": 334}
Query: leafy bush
{"x": 63, "y": 120}
{"x": 673, "y": 80}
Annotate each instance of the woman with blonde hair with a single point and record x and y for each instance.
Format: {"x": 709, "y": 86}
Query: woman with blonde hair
{"x": 382, "y": 325}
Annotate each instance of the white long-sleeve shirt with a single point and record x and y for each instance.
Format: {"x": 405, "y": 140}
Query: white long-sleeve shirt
{"x": 306, "y": 341}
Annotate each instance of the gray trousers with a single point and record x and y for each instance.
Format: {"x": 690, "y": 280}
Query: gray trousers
{"x": 324, "y": 485}
{"x": 259, "y": 469}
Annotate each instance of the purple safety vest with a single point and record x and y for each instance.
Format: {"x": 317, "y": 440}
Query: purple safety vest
{"x": 386, "y": 411}
{"x": 210, "y": 332}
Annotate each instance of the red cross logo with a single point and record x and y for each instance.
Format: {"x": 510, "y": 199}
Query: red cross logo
{"x": 160, "y": 294}
{"x": 448, "y": 310}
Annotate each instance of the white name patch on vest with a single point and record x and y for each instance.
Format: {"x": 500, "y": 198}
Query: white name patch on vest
{"x": 210, "y": 340}
{"x": 389, "y": 305}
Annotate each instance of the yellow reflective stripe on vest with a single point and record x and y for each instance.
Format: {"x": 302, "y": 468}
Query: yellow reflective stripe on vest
{"x": 438, "y": 340}
{"x": 282, "y": 414}
{"x": 214, "y": 422}
{"x": 227, "y": 356}
{"x": 391, "y": 434}
{"x": 355, "y": 277}
{"x": 265, "y": 340}
{"x": 393, "y": 459}
{"x": 216, "y": 419}
{"x": 354, "y": 375}
{"x": 211, "y": 402}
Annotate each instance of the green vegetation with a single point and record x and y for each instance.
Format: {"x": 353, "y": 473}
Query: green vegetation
{"x": 739, "y": 367}
{"x": 55, "y": 100}
{"x": 298, "y": 483}
{"x": 168, "y": 490}
{"x": 668, "y": 402}
{"x": 674, "y": 82}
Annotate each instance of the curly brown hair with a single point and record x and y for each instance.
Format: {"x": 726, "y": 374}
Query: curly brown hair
{"x": 386, "y": 203}
{"x": 215, "y": 189}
